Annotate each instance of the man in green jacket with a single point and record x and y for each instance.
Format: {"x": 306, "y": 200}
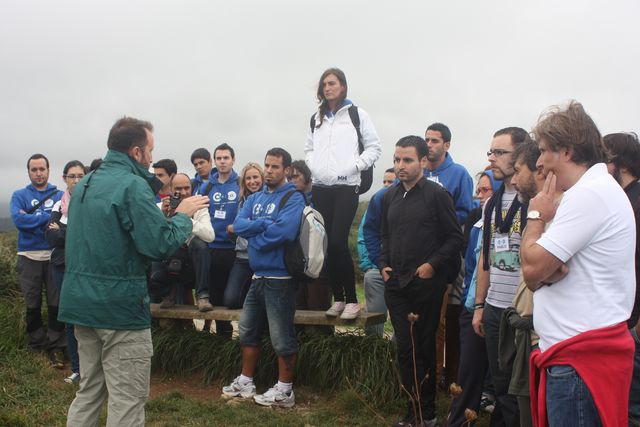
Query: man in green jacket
{"x": 115, "y": 229}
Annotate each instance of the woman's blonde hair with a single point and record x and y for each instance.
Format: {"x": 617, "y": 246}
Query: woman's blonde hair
{"x": 244, "y": 191}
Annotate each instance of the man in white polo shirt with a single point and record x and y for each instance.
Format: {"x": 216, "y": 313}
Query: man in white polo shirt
{"x": 581, "y": 270}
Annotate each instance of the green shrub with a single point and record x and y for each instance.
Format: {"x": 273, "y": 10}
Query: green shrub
{"x": 9, "y": 284}
{"x": 12, "y": 326}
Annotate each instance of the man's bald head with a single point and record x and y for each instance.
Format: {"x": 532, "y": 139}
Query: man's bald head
{"x": 181, "y": 183}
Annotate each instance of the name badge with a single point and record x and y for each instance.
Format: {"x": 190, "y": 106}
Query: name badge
{"x": 220, "y": 214}
{"x": 501, "y": 243}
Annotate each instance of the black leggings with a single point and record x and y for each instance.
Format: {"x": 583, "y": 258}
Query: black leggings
{"x": 338, "y": 205}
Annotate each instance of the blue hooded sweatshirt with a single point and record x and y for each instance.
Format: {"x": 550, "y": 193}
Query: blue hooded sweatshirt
{"x": 455, "y": 178}
{"x": 31, "y": 226}
{"x": 371, "y": 226}
{"x": 223, "y": 207}
{"x": 363, "y": 254}
{"x": 198, "y": 185}
{"x": 268, "y": 228}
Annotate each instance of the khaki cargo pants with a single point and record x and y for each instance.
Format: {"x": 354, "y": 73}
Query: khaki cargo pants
{"x": 114, "y": 365}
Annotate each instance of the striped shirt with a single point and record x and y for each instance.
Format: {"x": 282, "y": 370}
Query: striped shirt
{"x": 504, "y": 273}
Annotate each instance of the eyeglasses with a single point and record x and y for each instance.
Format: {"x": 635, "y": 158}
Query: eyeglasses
{"x": 498, "y": 152}
{"x": 483, "y": 190}
{"x": 73, "y": 176}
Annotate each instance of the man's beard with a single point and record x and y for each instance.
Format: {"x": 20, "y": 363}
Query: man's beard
{"x": 527, "y": 193}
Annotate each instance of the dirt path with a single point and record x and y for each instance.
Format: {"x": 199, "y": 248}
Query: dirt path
{"x": 192, "y": 387}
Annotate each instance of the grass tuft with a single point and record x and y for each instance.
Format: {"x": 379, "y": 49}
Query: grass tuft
{"x": 340, "y": 362}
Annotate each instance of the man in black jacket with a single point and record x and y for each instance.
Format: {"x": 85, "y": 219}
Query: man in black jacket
{"x": 623, "y": 152}
{"x": 421, "y": 243}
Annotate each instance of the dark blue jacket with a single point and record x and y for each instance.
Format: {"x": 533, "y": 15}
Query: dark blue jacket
{"x": 31, "y": 226}
{"x": 372, "y": 226}
{"x": 268, "y": 228}
{"x": 455, "y": 178}
{"x": 197, "y": 183}
{"x": 223, "y": 198}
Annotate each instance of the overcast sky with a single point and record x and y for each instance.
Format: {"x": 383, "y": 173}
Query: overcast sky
{"x": 245, "y": 72}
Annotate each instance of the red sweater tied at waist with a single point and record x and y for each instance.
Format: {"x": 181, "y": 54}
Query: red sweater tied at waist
{"x": 604, "y": 360}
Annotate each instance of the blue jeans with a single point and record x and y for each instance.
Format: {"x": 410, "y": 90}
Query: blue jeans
{"x": 237, "y": 284}
{"x": 374, "y": 299}
{"x": 270, "y": 302}
{"x": 201, "y": 264}
{"x": 72, "y": 343}
{"x": 634, "y": 395}
{"x": 569, "y": 402}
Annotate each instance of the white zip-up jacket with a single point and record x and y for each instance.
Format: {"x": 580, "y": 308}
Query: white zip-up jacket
{"x": 331, "y": 151}
{"x": 202, "y": 227}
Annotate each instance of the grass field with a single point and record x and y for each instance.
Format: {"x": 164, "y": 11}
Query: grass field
{"x": 33, "y": 394}
{"x": 336, "y": 381}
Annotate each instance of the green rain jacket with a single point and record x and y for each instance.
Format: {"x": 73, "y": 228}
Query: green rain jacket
{"x": 115, "y": 229}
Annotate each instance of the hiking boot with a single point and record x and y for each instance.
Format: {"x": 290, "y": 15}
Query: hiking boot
{"x": 170, "y": 300}
{"x": 236, "y": 389}
{"x": 351, "y": 311}
{"x": 74, "y": 378}
{"x": 336, "y": 309}
{"x": 276, "y": 397}
{"x": 204, "y": 305}
{"x": 56, "y": 358}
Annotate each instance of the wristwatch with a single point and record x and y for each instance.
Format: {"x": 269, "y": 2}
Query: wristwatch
{"x": 533, "y": 215}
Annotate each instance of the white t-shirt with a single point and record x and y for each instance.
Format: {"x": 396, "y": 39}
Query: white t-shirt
{"x": 593, "y": 232}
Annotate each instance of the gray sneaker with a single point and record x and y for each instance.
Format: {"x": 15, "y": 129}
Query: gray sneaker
{"x": 236, "y": 389}
{"x": 336, "y": 309}
{"x": 275, "y": 397}
{"x": 350, "y": 311}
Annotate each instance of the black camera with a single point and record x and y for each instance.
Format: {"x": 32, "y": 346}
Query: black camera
{"x": 174, "y": 200}
{"x": 174, "y": 266}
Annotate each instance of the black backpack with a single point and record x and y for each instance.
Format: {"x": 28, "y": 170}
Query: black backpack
{"x": 366, "y": 176}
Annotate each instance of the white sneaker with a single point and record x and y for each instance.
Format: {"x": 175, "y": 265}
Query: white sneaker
{"x": 74, "y": 378}
{"x": 236, "y": 389}
{"x": 336, "y": 309}
{"x": 351, "y": 311}
{"x": 275, "y": 397}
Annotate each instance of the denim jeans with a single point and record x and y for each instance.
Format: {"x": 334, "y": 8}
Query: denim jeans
{"x": 374, "y": 299}
{"x": 201, "y": 264}
{"x": 220, "y": 267}
{"x": 472, "y": 372}
{"x": 569, "y": 402}
{"x": 238, "y": 283}
{"x": 270, "y": 302}
{"x": 72, "y": 343}
{"x": 634, "y": 395}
